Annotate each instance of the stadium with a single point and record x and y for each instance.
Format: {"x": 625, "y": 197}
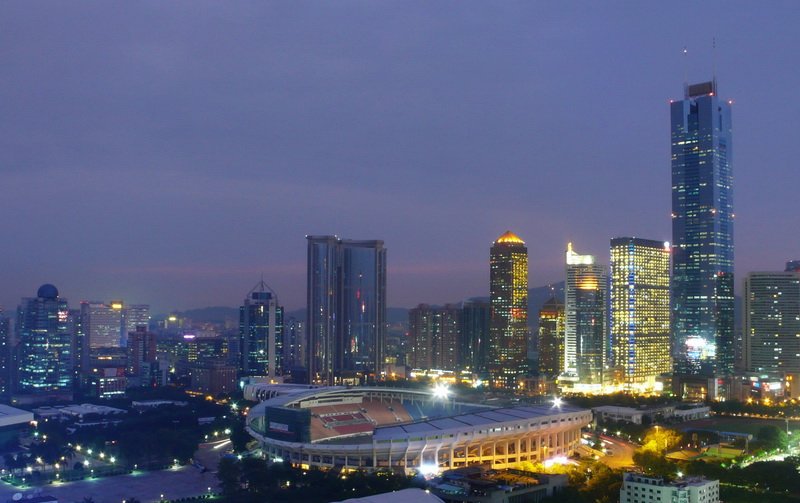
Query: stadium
{"x": 413, "y": 430}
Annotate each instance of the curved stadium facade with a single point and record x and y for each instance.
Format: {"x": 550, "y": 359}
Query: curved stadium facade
{"x": 372, "y": 428}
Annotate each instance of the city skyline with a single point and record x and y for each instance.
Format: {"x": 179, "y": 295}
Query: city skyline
{"x": 149, "y": 194}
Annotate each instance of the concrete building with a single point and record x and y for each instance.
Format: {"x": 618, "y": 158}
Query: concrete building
{"x": 638, "y": 488}
{"x": 479, "y": 484}
{"x": 435, "y": 337}
{"x": 551, "y": 338}
{"x": 772, "y": 322}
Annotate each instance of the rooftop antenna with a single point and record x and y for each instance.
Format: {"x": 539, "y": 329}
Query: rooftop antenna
{"x": 714, "y": 63}
{"x": 685, "y": 71}
{"x": 262, "y": 286}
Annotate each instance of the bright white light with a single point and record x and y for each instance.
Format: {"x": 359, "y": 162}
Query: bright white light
{"x": 477, "y": 384}
{"x": 557, "y": 402}
{"x": 558, "y": 460}
{"x": 441, "y": 391}
{"x": 427, "y": 469}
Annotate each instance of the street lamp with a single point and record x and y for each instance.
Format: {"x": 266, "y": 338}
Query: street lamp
{"x": 441, "y": 391}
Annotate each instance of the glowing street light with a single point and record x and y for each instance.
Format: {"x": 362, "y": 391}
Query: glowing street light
{"x": 557, "y": 402}
{"x": 441, "y": 391}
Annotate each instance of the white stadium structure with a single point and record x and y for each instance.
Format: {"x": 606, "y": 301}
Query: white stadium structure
{"x": 380, "y": 427}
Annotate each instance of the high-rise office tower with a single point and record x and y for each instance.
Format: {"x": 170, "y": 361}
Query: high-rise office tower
{"x": 294, "y": 345}
{"x": 45, "y": 344}
{"x": 261, "y": 332}
{"x": 435, "y": 334}
{"x": 136, "y": 315}
{"x": 585, "y": 325}
{"x": 551, "y": 338}
{"x": 508, "y": 294}
{"x": 702, "y": 232}
{"x": 640, "y": 315}
{"x": 141, "y": 353}
{"x": 475, "y": 320}
{"x": 103, "y": 324}
{"x": 346, "y": 309}
{"x": 5, "y": 356}
{"x": 772, "y": 322}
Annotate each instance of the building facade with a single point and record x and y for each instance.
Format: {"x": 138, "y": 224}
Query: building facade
{"x": 640, "y": 314}
{"x": 5, "y": 355}
{"x": 637, "y": 488}
{"x": 508, "y": 293}
{"x": 475, "y": 321}
{"x": 260, "y": 333}
{"x": 45, "y": 361}
{"x": 772, "y": 322}
{"x": 585, "y": 324}
{"x": 435, "y": 337}
{"x": 346, "y": 300}
{"x": 551, "y": 338}
{"x": 702, "y": 232}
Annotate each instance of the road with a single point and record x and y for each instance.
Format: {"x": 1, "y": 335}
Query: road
{"x": 621, "y": 452}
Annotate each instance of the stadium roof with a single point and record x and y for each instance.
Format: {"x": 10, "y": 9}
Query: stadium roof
{"x": 491, "y": 416}
{"x": 10, "y": 416}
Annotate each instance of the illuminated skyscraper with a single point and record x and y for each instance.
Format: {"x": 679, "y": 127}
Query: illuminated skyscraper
{"x": 435, "y": 334}
{"x": 702, "y": 232}
{"x": 640, "y": 315}
{"x": 585, "y": 344}
{"x": 346, "y": 309}
{"x": 103, "y": 324}
{"x": 772, "y": 322}
{"x": 260, "y": 332}
{"x": 45, "y": 344}
{"x": 508, "y": 293}
{"x": 136, "y": 315}
{"x": 551, "y": 338}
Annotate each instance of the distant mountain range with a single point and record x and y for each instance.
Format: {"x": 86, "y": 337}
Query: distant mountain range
{"x": 220, "y": 314}
{"x": 399, "y": 315}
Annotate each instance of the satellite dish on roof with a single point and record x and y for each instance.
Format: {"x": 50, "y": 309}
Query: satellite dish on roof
{"x": 17, "y": 496}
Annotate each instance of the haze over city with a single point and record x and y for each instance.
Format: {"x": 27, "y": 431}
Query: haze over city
{"x": 171, "y": 153}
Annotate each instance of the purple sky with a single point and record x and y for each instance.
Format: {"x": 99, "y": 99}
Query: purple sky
{"x": 170, "y": 152}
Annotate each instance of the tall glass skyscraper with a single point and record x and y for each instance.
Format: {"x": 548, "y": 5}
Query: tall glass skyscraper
{"x": 508, "y": 293}
{"x": 346, "y": 309}
{"x": 45, "y": 343}
{"x": 261, "y": 332}
{"x": 640, "y": 315}
{"x": 702, "y": 232}
{"x": 585, "y": 345}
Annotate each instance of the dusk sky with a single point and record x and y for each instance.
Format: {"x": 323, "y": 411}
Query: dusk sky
{"x": 171, "y": 152}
